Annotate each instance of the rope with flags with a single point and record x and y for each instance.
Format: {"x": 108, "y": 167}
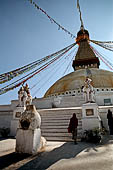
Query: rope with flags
{"x": 70, "y": 63}
{"x": 57, "y": 65}
{"x": 78, "y": 6}
{"x": 103, "y": 59}
{"x": 20, "y": 81}
{"x": 51, "y": 19}
{"x": 5, "y": 77}
{"x": 63, "y": 51}
{"x": 45, "y": 62}
{"x": 105, "y": 44}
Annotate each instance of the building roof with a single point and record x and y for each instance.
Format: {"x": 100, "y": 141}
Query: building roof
{"x": 75, "y": 80}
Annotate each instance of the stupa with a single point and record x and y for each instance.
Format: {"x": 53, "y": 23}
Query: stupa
{"x": 86, "y": 64}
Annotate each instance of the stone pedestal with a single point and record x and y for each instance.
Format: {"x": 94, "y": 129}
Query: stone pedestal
{"x": 15, "y": 122}
{"x": 28, "y": 141}
{"x": 28, "y": 136}
{"x": 90, "y": 117}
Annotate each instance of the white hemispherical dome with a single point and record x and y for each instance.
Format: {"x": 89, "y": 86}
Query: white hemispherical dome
{"x": 75, "y": 80}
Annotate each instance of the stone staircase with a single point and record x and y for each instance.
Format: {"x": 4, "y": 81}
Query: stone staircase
{"x": 55, "y": 123}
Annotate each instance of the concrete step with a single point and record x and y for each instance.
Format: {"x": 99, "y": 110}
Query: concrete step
{"x": 60, "y": 118}
{"x": 65, "y": 139}
{"x": 57, "y": 130}
{"x": 55, "y": 123}
{"x": 46, "y": 116}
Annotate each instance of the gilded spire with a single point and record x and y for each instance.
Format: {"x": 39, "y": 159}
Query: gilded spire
{"x": 85, "y": 57}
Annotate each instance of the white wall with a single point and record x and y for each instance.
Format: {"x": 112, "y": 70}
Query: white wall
{"x": 43, "y": 103}
{"x": 6, "y": 116}
{"x": 100, "y": 96}
{"x": 103, "y": 110}
{"x": 6, "y": 111}
{"x": 5, "y": 119}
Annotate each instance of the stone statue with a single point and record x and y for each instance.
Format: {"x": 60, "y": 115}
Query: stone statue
{"x": 88, "y": 91}
{"x": 20, "y": 96}
{"x": 28, "y": 135}
{"x": 24, "y": 96}
{"x": 29, "y": 97}
{"x": 30, "y": 118}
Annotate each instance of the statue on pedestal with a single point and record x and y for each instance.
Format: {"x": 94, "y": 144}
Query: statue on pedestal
{"x": 88, "y": 91}
{"x": 20, "y": 96}
{"x": 24, "y": 96}
{"x": 28, "y": 135}
{"x": 29, "y": 97}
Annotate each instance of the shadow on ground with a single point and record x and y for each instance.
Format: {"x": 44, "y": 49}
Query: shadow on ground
{"x": 66, "y": 151}
{"x": 11, "y": 158}
{"x": 46, "y": 159}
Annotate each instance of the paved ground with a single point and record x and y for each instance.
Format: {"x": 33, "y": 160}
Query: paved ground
{"x": 59, "y": 156}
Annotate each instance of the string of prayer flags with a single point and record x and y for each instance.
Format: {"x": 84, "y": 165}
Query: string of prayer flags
{"x": 52, "y": 20}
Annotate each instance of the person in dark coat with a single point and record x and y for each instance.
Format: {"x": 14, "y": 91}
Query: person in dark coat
{"x": 110, "y": 121}
{"x": 73, "y": 127}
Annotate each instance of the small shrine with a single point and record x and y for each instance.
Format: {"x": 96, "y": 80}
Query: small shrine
{"x": 24, "y": 99}
{"x": 28, "y": 135}
{"x": 90, "y": 112}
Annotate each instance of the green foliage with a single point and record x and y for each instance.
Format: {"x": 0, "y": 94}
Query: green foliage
{"x": 93, "y": 136}
{"x": 4, "y": 132}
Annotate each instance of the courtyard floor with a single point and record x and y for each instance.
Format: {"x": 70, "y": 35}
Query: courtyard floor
{"x": 59, "y": 156}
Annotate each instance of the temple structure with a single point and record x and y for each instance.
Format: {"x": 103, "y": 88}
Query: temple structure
{"x": 67, "y": 95}
{"x": 86, "y": 65}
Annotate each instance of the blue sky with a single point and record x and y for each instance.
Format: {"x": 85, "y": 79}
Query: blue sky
{"x": 26, "y": 35}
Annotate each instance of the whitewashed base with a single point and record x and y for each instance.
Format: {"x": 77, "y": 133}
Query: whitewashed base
{"x": 90, "y": 123}
{"x": 28, "y": 141}
{"x": 16, "y": 112}
{"x": 92, "y": 120}
{"x": 15, "y": 122}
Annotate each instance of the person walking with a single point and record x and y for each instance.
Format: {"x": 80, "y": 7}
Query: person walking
{"x": 110, "y": 121}
{"x": 73, "y": 127}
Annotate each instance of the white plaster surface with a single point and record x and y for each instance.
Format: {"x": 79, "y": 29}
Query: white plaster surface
{"x": 28, "y": 141}
{"x": 65, "y": 156}
{"x": 18, "y": 109}
{"x": 15, "y": 121}
{"x": 6, "y": 116}
{"x": 93, "y": 106}
{"x": 92, "y": 121}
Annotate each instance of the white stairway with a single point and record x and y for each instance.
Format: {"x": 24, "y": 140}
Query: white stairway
{"x": 55, "y": 123}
